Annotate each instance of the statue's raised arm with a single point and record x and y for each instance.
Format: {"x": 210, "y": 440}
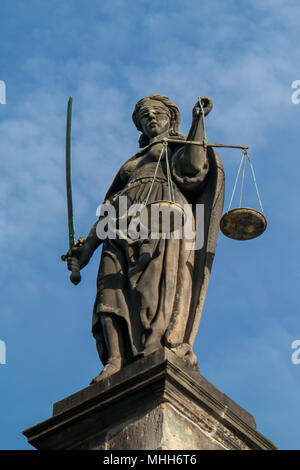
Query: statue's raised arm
{"x": 195, "y": 157}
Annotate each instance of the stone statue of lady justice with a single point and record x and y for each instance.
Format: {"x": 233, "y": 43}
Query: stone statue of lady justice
{"x": 150, "y": 292}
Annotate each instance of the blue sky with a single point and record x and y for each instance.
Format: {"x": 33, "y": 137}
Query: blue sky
{"x": 108, "y": 54}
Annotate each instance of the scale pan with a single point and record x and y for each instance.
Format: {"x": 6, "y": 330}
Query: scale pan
{"x": 243, "y": 223}
{"x": 163, "y": 217}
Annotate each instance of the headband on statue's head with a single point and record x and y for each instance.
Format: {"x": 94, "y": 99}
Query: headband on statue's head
{"x": 156, "y": 100}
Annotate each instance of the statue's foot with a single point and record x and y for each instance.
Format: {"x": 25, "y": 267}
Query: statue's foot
{"x": 112, "y": 366}
{"x": 150, "y": 348}
{"x": 185, "y": 352}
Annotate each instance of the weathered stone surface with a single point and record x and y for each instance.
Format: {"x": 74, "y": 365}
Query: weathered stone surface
{"x": 154, "y": 403}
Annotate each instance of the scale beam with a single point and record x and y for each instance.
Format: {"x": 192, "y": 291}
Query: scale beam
{"x": 205, "y": 144}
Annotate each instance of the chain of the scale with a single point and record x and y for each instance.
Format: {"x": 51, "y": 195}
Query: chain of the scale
{"x": 245, "y": 157}
{"x": 164, "y": 148}
{"x": 169, "y": 178}
{"x": 170, "y": 182}
{"x": 255, "y": 183}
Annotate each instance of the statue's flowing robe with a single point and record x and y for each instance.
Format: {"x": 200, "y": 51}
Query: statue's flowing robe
{"x": 155, "y": 288}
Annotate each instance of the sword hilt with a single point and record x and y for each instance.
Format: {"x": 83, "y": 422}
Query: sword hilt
{"x": 75, "y": 276}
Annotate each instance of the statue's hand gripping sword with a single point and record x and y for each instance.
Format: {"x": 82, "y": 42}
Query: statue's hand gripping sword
{"x": 75, "y": 276}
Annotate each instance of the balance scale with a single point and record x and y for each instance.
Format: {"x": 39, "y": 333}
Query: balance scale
{"x": 242, "y": 223}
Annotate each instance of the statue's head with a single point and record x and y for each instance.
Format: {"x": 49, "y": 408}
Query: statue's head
{"x": 154, "y": 115}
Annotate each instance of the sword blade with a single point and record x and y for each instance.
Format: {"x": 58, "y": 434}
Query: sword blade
{"x": 72, "y": 239}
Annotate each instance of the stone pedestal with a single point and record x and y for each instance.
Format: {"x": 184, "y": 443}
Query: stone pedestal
{"x": 156, "y": 403}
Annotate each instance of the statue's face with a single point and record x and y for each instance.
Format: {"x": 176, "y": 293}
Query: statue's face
{"x": 154, "y": 119}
